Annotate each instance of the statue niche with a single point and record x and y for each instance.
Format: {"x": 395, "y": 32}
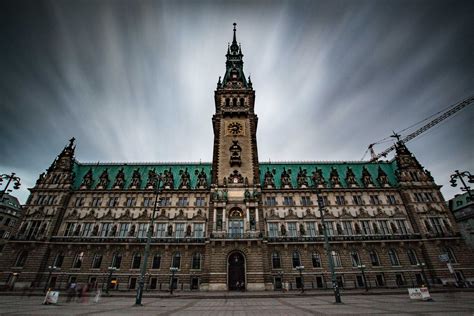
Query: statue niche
{"x": 268, "y": 180}
{"x": 286, "y": 179}
{"x": 87, "y": 180}
{"x": 103, "y": 179}
{"x": 367, "y": 178}
{"x": 302, "y": 179}
{"x": 185, "y": 179}
{"x": 334, "y": 176}
{"x": 136, "y": 179}
{"x": 201, "y": 179}
{"x": 382, "y": 178}
{"x": 168, "y": 179}
{"x": 350, "y": 178}
{"x": 235, "y": 177}
{"x": 235, "y": 153}
{"x": 119, "y": 180}
{"x": 317, "y": 178}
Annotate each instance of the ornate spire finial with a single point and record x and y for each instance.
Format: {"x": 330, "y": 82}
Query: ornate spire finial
{"x": 234, "y": 40}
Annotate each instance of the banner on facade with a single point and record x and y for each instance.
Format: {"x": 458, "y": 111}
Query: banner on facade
{"x": 419, "y": 294}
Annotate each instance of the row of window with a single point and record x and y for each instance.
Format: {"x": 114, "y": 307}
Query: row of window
{"x": 355, "y": 258}
{"x": 45, "y": 200}
{"x": 341, "y": 228}
{"x": 97, "y": 260}
{"x": 109, "y": 229}
{"x": 8, "y": 221}
{"x": 132, "y": 201}
{"x": 339, "y": 200}
{"x": 424, "y": 197}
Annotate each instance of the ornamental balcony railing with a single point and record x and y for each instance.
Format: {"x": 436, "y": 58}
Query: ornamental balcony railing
{"x": 243, "y": 235}
{"x": 137, "y": 240}
{"x": 320, "y": 238}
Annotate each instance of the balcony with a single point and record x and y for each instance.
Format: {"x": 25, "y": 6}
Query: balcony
{"x": 135, "y": 240}
{"x": 236, "y": 236}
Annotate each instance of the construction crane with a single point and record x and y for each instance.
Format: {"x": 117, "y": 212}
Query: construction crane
{"x": 446, "y": 114}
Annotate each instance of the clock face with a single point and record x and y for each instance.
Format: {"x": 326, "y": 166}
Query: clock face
{"x": 235, "y": 128}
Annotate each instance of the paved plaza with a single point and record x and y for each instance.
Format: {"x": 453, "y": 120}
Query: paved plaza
{"x": 451, "y": 303}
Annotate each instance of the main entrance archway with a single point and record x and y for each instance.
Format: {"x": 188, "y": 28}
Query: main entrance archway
{"x": 236, "y": 271}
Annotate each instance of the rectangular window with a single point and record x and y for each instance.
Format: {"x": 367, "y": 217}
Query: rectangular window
{"x": 79, "y": 201}
{"x": 311, "y": 229}
{"x": 97, "y": 261}
{"x": 379, "y": 280}
{"x": 142, "y": 229}
{"x": 292, "y": 229}
{"x": 402, "y": 227}
{"x": 366, "y": 228}
{"x": 273, "y": 229}
{"x": 357, "y": 199}
{"x": 288, "y": 201}
{"x": 347, "y": 228}
{"x": 104, "y": 232}
{"x": 436, "y": 224}
{"x": 161, "y": 230}
{"x": 182, "y": 201}
{"x": 131, "y": 201}
{"x": 384, "y": 227}
{"x": 124, "y": 229}
{"x": 165, "y": 201}
{"x": 86, "y": 232}
{"x": 340, "y": 200}
{"x": 198, "y": 230}
{"x": 306, "y": 201}
{"x": 429, "y": 197}
{"x": 113, "y": 201}
{"x": 96, "y": 202}
{"x": 271, "y": 201}
{"x": 330, "y": 228}
{"x": 200, "y": 201}
{"x": 147, "y": 201}
{"x": 180, "y": 230}
{"x": 69, "y": 229}
{"x": 391, "y": 199}
{"x": 374, "y": 199}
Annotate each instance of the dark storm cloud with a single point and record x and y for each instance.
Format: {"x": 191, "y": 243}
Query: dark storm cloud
{"x": 134, "y": 80}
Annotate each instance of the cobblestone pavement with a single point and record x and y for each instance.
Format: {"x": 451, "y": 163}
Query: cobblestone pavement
{"x": 458, "y": 303}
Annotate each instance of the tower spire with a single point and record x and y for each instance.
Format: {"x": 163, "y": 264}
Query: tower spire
{"x": 234, "y": 41}
{"x": 234, "y": 64}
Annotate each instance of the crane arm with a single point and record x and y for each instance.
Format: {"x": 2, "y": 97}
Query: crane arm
{"x": 426, "y": 127}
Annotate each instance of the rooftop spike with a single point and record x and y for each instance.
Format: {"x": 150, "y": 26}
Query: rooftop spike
{"x": 234, "y": 40}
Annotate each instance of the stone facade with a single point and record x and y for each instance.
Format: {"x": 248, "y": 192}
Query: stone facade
{"x": 235, "y": 223}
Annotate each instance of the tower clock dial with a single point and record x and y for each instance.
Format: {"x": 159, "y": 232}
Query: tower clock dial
{"x": 235, "y": 128}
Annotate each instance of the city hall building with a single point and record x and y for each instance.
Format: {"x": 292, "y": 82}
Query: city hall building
{"x": 236, "y": 223}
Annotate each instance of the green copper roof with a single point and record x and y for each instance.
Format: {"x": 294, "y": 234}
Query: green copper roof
{"x": 81, "y": 169}
{"x": 341, "y": 167}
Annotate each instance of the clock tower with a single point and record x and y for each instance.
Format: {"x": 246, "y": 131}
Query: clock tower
{"x": 235, "y": 159}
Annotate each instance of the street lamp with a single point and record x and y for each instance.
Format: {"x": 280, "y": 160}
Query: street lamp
{"x": 141, "y": 282}
{"x": 460, "y": 176}
{"x": 11, "y": 177}
{"x": 173, "y": 270}
{"x": 327, "y": 245}
{"x": 362, "y": 267}
{"x": 51, "y": 269}
{"x": 109, "y": 278}
{"x": 422, "y": 266}
{"x": 300, "y": 269}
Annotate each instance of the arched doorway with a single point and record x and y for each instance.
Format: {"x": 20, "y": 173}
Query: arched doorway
{"x": 236, "y": 271}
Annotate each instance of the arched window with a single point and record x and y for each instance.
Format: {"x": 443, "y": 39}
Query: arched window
{"x": 412, "y": 257}
{"x": 355, "y": 258}
{"x": 450, "y": 253}
{"x": 276, "y": 260}
{"x": 96, "y": 261}
{"x": 316, "y": 259}
{"x": 176, "y": 261}
{"x": 78, "y": 259}
{"x": 136, "y": 260}
{"x": 58, "y": 260}
{"x": 374, "y": 258}
{"x": 156, "y": 262}
{"x": 227, "y": 102}
{"x": 242, "y": 102}
{"x": 393, "y": 256}
{"x": 196, "y": 264}
{"x": 117, "y": 260}
{"x": 336, "y": 260}
{"x": 21, "y": 259}
{"x": 234, "y": 102}
{"x": 296, "y": 259}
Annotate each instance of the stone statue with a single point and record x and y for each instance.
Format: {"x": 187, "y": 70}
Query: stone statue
{"x": 136, "y": 179}
{"x": 185, "y": 179}
{"x": 168, "y": 180}
{"x": 202, "y": 179}
{"x": 120, "y": 179}
{"x": 318, "y": 178}
{"x": 87, "y": 180}
{"x": 285, "y": 178}
{"x": 188, "y": 231}
{"x": 334, "y": 176}
{"x": 104, "y": 179}
{"x": 382, "y": 177}
{"x": 268, "y": 180}
{"x": 131, "y": 233}
{"x": 247, "y": 194}
{"x": 366, "y": 177}
{"x": 170, "y": 230}
{"x": 152, "y": 178}
{"x": 350, "y": 177}
{"x": 302, "y": 230}
{"x": 301, "y": 179}
{"x": 283, "y": 230}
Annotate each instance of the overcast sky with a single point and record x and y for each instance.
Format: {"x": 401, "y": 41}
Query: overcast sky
{"x": 134, "y": 80}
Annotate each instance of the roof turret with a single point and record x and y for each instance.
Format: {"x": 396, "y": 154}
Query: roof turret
{"x": 234, "y": 76}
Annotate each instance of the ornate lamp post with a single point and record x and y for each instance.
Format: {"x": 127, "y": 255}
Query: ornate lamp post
{"x": 109, "y": 278}
{"x": 51, "y": 269}
{"x": 141, "y": 283}
{"x": 327, "y": 245}
{"x": 460, "y": 176}
{"x": 11, "y": 177}
{"x": 362, "y": 268}
{"x": 173, "y": 270}
{"x": 422, "y": 266}
{"x": 300, "y": 269}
